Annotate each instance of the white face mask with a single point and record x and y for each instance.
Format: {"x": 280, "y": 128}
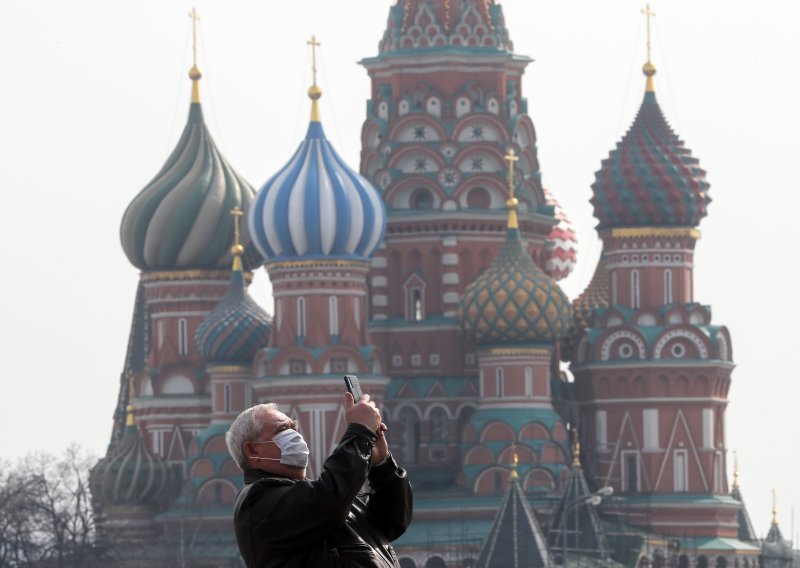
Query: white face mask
{"x": 294, "y": 450}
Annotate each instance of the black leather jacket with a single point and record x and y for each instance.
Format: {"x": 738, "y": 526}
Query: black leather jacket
{"x": 285, "y": 523}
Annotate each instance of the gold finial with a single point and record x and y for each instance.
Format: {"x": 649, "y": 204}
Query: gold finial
{"x": 237, "y": 249}
{"x": 649, "y": 69}
{"x": 576, "y": 449}
{"x": 514, "y": 462}
{"x": 735, "y": 470}
{"x": 774, "y": 510}
{"x": 512, "y": 202}
{"x": 130, "y": 420}
{"x": 194, "y": 72}
{"x": 314, "y": 92}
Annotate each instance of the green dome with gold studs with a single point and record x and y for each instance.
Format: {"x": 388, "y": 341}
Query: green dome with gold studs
{"x": 514, "y": 301}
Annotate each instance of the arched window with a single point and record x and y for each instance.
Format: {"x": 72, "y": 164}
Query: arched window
{"x": 614, "y": 296}
{"x": 438, "y": 425}
{"x": 416, "y": 305}
{"x": 333, "y": 314}
{"x": 634, "y": 289}
{"x": 409, "y": 434}
{"x": 499, "y": 382}
{"x": 478, "y": 198}
{"x": 422, "y": 199}
{"x": 183, "y": 345}
{"x": 528, "y": 381}
{"x": 226, "y": 399}
{"x": 301, "y": 317}
{"x": 667, "y": 286}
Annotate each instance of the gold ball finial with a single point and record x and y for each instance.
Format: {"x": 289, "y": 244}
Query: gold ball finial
{"x": 314, "y": 92}
{"x": 237, "y": 250}
{"x": 512, "y": 203}
{"x": 194, "y": 73}
{"x": 514, "y": 462}
{"x": 649, "y": 69}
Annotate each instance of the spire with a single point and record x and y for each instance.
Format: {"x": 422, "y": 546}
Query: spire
{"x": 774, "y": 509}
{"x": 774, "y": 535}
{"x": 194, "y": 72}
{"x": 237, "y": 249}
{"x": 314, "y": 92}
{"x": 649, "y": 69}
{"x": 735, "y": 470}
{"x": 576, "y": 448}
{"x": 512, "y": 202}
{"x": 515, "y": 539}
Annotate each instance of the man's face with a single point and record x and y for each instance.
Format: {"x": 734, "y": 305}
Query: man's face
{"x": 273, "y": 423}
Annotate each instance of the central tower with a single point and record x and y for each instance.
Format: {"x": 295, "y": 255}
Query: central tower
{"x": 446, "y": 105}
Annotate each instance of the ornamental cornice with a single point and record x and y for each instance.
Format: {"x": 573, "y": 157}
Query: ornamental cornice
{"x": 643, "y": 232}
{"x": 318, "y": 263}
{"x": 173, "y": 275}
{"x": 509, "y": 351}
{"x": 228, "y": 369}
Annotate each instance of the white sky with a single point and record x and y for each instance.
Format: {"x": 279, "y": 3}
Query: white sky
{"x": 94, "y": 94}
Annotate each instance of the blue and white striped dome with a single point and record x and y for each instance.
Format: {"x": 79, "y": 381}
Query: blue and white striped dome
{"x": 316, "y": 207}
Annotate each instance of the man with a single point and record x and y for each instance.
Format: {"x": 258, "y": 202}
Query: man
{"x": 283, "y": 519}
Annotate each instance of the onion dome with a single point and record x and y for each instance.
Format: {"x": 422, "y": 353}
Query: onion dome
{"x": 316, "y": 207}
{"x": 426, "y": 24}
{"x": 650, "y": 179}
{"x": 130, "y": 474}
{"x": 179, "y": 220}
{"x": 561, "y": 247}
{"x": 594, "y": 296}
{"x": 237, "y": 327}
{"x": 514, "y": 301}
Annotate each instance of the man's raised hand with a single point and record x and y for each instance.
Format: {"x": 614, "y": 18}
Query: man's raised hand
{"x": 362, "y": 412}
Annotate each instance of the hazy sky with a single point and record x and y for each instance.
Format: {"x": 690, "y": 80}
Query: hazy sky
{"x": 94, "y": 95}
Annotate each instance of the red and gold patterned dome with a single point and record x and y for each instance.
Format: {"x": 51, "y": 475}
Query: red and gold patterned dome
{"x": 650, "y": 179}
{"x": 426, "y": 24}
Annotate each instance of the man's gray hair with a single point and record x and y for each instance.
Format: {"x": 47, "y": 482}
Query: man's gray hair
{"x": 246, "y": 428}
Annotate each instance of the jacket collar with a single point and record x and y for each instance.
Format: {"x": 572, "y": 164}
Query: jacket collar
{"x": 252, "y": 475}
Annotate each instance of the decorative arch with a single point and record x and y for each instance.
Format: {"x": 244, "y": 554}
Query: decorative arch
{"x": 493, "y": 129}
{"x": 177, "y": 384}
{"x": 524, "y": 454}
{"x": 479, "y": 455}
{"x": 477, "y": 159}
{"x": 621, "y": 335}
{"x": 497, "y": 431}
{"x": 539, "y": 478}
{"x": 492, "y": 480}
{"x": 399, "y": 197}
{"x": 690, "y": 336}
{"x": 405, "y": 158}
{"x": 491, "y": 184}
{"x": 552, "y": 453}
{"x": 405, "y": 127}
{"x": 533, "y": 431}
{"x": 209, "y": 494}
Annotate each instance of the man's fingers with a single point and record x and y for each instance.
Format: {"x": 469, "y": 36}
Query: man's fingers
{"x": 348, "y": 401}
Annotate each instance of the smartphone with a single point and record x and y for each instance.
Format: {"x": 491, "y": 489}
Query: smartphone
{"x": 353, "y": 386}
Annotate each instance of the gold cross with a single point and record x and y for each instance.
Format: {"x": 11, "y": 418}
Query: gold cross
{"x": 511, "y": 158}
{"x": 237, "y": 213}
{"x": 314, "y": 45}
{"x": 650, "y": 14}
{"x": 195, "y": 18}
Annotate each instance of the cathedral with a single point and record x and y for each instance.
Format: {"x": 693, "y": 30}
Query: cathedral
{"x": 537, "y": 430}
